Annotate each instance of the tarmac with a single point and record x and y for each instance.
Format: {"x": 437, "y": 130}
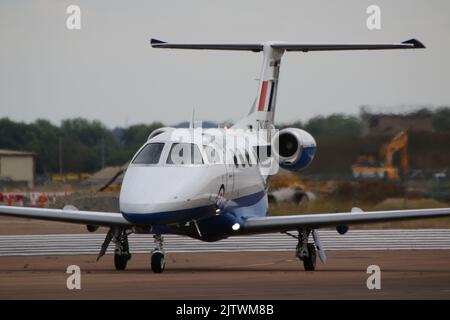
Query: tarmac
{"x": 405, "y": 274}
{"x": 414, "y": 264}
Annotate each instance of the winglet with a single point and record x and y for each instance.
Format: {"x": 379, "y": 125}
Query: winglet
{"x": 416, "y": 43}
{"x": 156, "y": 41}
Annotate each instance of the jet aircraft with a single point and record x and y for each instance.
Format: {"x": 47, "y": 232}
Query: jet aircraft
{"x": 212, "y": 184}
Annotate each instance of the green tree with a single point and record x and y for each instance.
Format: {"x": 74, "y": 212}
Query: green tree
{"x": 335, "y": 125}
{"x": 441, "y": 119}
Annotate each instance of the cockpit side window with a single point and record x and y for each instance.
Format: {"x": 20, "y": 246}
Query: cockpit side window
{"x": 184, "y": 153}
{"x": 150, "y": 154}
{"x": 212, "y": 154}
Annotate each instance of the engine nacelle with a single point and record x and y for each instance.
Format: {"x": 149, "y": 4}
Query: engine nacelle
{"x": 296, "y": 148}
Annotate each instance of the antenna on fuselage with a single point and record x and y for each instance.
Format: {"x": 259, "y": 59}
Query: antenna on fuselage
{"x": 191, "y": 123}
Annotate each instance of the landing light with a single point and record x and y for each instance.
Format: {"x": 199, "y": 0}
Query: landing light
{"x": 236, "y": 226}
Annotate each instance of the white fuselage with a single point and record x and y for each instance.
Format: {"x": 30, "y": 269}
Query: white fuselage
{"x": 192, "y": 189}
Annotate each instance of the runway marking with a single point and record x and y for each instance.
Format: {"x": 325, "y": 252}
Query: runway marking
{"x": 89, "y": 243}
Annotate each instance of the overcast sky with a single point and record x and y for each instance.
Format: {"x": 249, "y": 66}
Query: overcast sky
{"x": 108, "y": 71}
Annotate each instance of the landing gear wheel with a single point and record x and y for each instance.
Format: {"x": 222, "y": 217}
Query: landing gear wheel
{"x": 120, "y": 261}
{"x": 122, "y": 251}
{"x": 309, "y": 262}
{"x": 158, "y": 262}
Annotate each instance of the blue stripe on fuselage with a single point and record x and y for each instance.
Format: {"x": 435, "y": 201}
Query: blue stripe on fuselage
{"x": 250, "y": 199}
{"x": 162, "y": 218}
{"x": 168, "y": 217}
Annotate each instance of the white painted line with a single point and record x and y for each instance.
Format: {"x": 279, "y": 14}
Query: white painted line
{"x": 74, "y": 244}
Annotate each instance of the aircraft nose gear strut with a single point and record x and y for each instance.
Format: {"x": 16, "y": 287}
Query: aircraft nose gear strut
{"x": 158, "y": 254}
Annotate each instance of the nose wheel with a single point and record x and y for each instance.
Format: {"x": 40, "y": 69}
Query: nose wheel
{"x": 158, "y": 262}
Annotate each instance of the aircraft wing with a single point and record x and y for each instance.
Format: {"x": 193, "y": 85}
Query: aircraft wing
{"x": 314, "y": 221}
{"x": 106, "y": 219}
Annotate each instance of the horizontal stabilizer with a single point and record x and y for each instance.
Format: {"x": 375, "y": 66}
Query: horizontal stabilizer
{"x": 288, "y": 46}
{"x": 409, "y": 44}
{"x": 208, "y": 46}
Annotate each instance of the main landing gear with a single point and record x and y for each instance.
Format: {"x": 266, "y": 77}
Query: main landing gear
{"x": 158, "y": 255}
{"x": 122, "y": 251}
{"x": 305, "y": 251}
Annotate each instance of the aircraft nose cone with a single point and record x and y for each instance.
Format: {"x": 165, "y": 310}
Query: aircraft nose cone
{"x": 160, "y": 189}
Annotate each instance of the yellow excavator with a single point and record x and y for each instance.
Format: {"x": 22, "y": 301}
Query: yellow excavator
{"x": 365, "y": 166}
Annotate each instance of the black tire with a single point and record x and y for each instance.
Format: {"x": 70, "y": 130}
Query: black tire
{"x": 309, "y": 262}
{"x": 120, "y": 261}
{"x": 158, "y": 262}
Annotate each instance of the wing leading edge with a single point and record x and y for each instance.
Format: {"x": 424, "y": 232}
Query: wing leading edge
{"x": 313, "y": 221}
{"x": 107, "y": 219}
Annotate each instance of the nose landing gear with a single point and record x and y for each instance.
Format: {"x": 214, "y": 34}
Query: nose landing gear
{"x": 158, "y": 263}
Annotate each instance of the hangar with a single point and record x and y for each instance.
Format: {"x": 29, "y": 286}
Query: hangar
{"x": 17, "y": 168}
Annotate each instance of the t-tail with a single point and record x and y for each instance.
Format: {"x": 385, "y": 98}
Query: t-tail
{"x": 262, "y": 112}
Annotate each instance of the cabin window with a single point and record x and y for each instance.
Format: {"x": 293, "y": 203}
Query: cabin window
{"x": 235, "y": 160}
{"x": 263, "y": 153}
{"x": 249, "y": 160}
{"x": 242, "y": 160}
{"x": 184, "y": 153}
{"x": 212, "y": 154}
{"x": 150, "y": 154}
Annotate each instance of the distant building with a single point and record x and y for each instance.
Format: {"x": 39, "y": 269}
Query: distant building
{"x": 392, "y": 123}
{"x": 17, "y": 168}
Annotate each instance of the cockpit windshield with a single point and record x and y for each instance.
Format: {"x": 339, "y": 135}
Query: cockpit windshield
{"x": 184, "y": 153}
{"x": 150, "y": 154}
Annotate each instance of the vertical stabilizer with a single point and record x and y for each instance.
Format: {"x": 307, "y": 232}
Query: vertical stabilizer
{"x": 263, "y": 109}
